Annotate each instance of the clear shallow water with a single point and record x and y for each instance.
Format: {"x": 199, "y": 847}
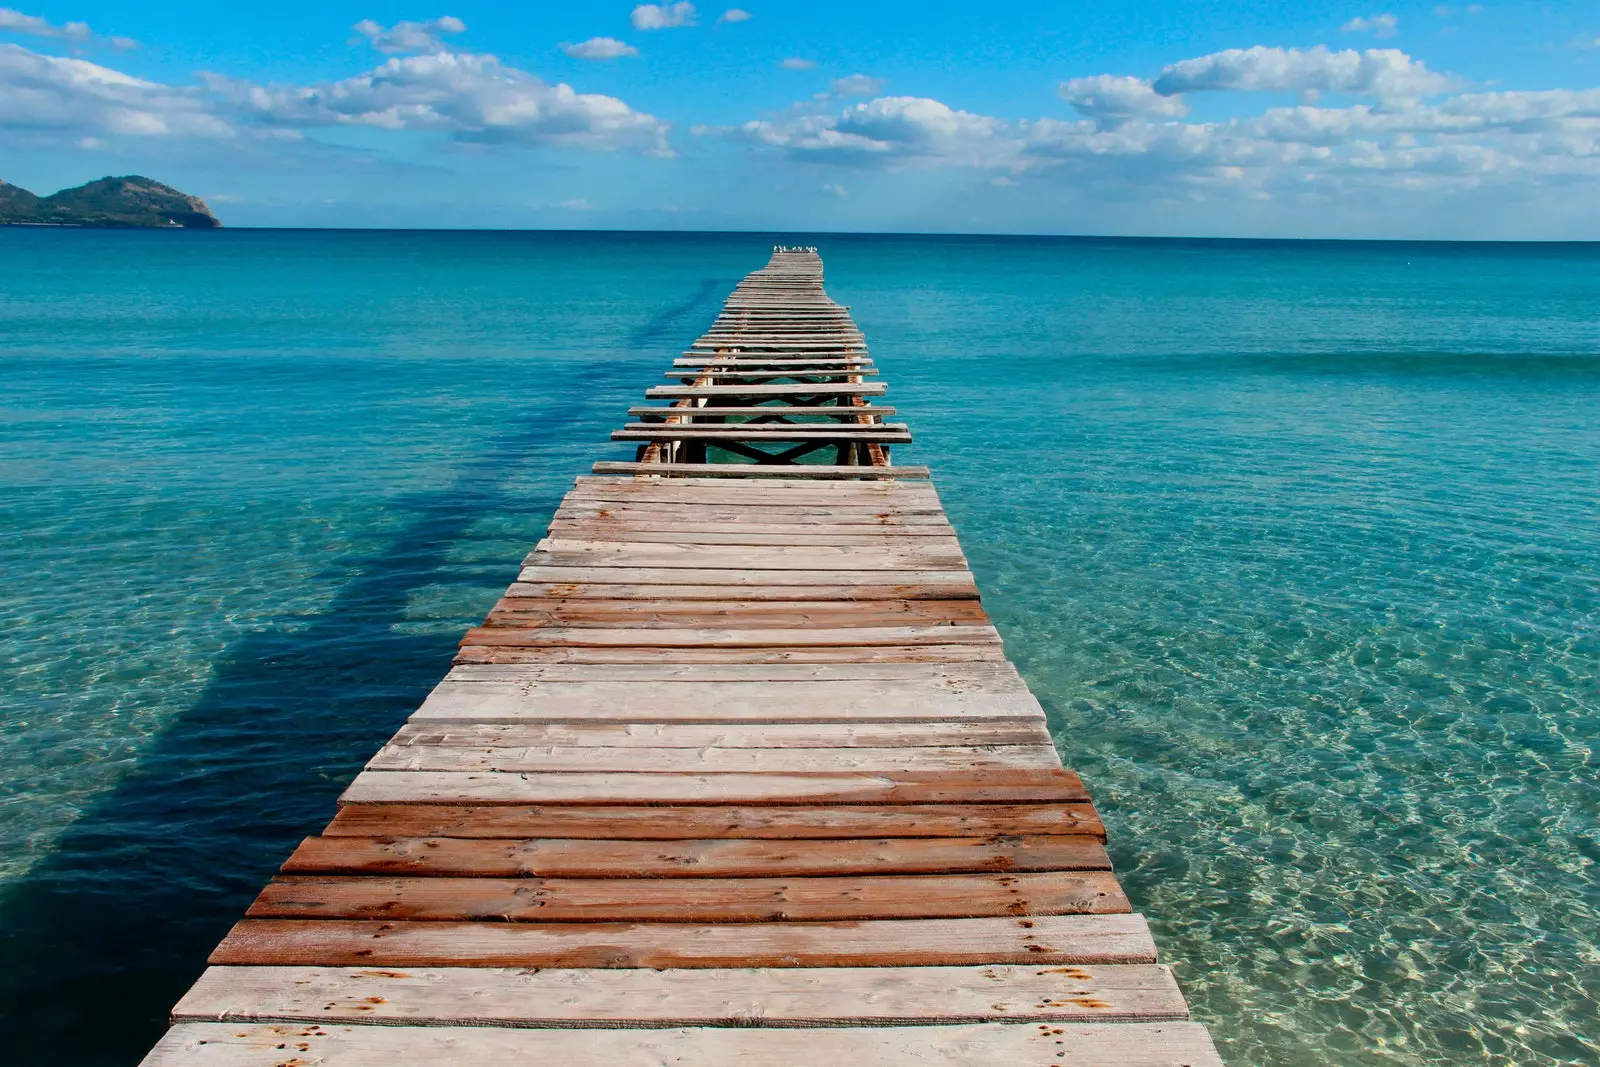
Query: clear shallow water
{"x": 1297, "y": 543}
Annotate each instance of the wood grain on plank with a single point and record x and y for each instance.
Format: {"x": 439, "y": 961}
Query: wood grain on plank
{"x": 956, "y": 678}
{"x": 758, "y": 470}
{"x": 748, "y": 900}
{"x": 524, "y": 611}
{"x": 938, "y": 541}
{"x": 895, "y": 513}
{"x": 661, "y": 735}
{"x": 694, "y": 760}
{"x": 765, "y": 411}
{"x": 772, "y": 996}
{"x": 932, "y": 582}
{"x": 563, "y": 587}
{"x": 888, "y": 787}
{"x": 780, "y": 822}
{"x": 705, "y": 858}
{"x": 974, "y": 1045}
{"x": 601, "y": 700}
{"x": 565, "y": 552}
{"x": 971, "y": 633}
{"x": 780, "y": 490}
{"x": 988, "y": 677}
{"x": 956, "y": 653}
{"x": 1044, "y": 939}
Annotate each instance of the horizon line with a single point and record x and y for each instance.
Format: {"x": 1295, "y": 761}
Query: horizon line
{"x": 820, "y": 233}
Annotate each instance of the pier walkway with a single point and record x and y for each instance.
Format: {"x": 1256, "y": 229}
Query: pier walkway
{"x": 736, "y": 772}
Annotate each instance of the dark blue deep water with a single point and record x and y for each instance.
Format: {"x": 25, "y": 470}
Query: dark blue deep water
{"x": 1298, "y": 543}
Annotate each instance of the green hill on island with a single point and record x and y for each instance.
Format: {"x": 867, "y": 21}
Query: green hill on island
{"x": 131, "y": 201}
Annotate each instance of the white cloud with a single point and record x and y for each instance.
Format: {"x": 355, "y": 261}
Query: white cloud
{"x": 12, "y": 21}
{"x": 858, "y": 85}
{"x": 463, "y": 96}
{"x": 16, "y": 22}
{"x": 600, "y": 48}
{"x": 663, "y": 16}
{"x": 735, "y": 14}
{"x": 81, "y": 99}
{"x": 835, "y": 189}
{"x": 1110, "y": 99}
{"x": 1384, "y": 73}
{"x": 470, "y": 97}
{"x": 891, "y": 130}
{"x": 1310, "y": 155}
{"x": 796, "y": 63}
{"x": 575, "y": 204}
{"x": 407, "y": 37}
{"x": 1377, "y": 25}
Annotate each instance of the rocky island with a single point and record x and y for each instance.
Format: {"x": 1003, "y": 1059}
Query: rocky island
{"x": 128, "y": 202}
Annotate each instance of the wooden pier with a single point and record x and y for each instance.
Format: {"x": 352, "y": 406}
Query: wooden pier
{"x": 736, "y": 772}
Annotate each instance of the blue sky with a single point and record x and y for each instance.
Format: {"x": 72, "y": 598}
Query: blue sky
{"x": 1213, "y": 118}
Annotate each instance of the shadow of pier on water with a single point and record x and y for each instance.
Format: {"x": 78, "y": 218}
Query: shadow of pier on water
{"x": 103, "y": 935}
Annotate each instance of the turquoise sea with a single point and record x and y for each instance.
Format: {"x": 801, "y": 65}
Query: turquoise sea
{"x": 1298, "y": 543}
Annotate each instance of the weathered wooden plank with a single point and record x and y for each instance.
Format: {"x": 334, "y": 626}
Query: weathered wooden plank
{"x": 712, "y": 702}
{"x": 901, "y": 520}
{"x": 715, "y": 637}
{"x": 778, "y": 431}
{"x": 934, "y": 538}
{"x": 762, "y": 507}
{"x": 845, "y": 412}
{"x": 716, "y": 362}
{"x": 776, "y": 822}
{"x": 774, "y": 328}
{"x": 900, "y": 517}
{"x": 526, "y": 611}
{"x": 744, "y": 564}
{"x": 735, "y": 432}
{"x": 568, "y": 590}
{"x": 680, "y": 392}
{"x": 694, "y": 760}
{"x": 751, "y": 371}
{"x": 759, "y": 470}
{"x": 953, "y": 678}
{"x": 975, "y": 1045}
{"x": 692, "y": 487}
{"x": 898, "y": 514}
{"x": 703, "y": 858}
{"x": 952, "y": 653}
{"x": 734, "y": 331}
{"x": 759, "y": 345}
{"x": 685, "y": 575}
{"x": 750, "y": 997}
{"x": 784, "y": 488}
{"x": 818, "y": 655}
{"x": 1042, "y": 940}
{"x": 660, "y": 735}
{"x": 652, "y": 614}
{"x": 888, "y": 787}
{"x": 750, "y": 900}
{"x": 645, "y": 507}
{"x": 570, "y": 552}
